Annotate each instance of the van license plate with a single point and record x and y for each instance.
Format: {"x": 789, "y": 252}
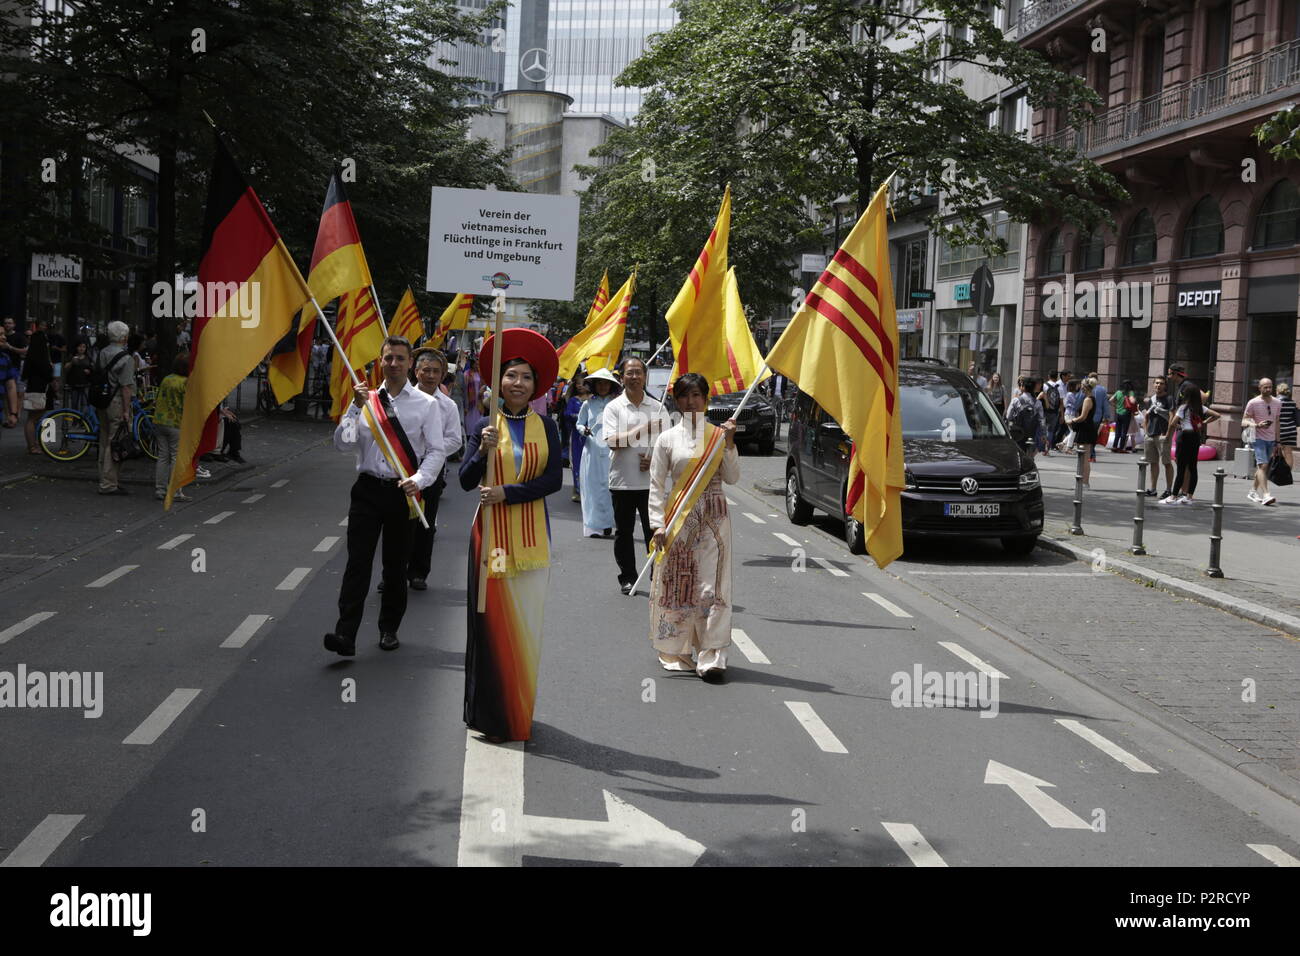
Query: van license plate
{"x": 969, "y": 510}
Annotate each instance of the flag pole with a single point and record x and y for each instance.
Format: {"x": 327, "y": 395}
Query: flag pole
{"x": 352, "y": 373}
{"x": 669, "y": 520}
{"x": 485, "y": 508}
{"x": 378, "y": 311}
{"x": 657, "y": 351}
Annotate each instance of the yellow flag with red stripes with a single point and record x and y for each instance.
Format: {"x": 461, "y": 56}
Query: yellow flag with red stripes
{"x": 406, "y": 320}
{"x": 362, "y": 338}
{"x": 455, "y": 316}
{"x": 695, "y": 319}
{"x": 842, "y": 349}
{"x": 597, "y": 306}
{"x": 601, "y": 341}
{"x": 744, "y": 360}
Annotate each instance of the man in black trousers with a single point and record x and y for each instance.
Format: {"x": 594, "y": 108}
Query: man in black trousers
{"x": 379, "y": 496}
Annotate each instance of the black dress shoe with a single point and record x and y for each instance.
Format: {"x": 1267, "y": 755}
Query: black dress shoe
{"x": 380, "y": 589}
{"x": 236, "y": 456}
{"x": 119, "y": 490}
{"x": 346, "y": 646}
{"x": 388, "y": 640}
{"x": 419, "y": 584}
{"x": 626, "y": 587}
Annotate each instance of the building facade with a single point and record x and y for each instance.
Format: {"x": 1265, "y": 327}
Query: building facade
{"x": 1202, "y": 267}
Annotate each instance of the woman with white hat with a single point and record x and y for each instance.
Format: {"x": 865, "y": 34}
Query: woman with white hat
{"x": 597, "y": 504}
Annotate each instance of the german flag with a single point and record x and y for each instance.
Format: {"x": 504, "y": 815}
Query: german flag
{"x": 362, "y": 338}
{"x": 338, "y": 265}
{"x": 406, "y": 320}
{"x": 250, "y": 292}
{"x": 455, "y": 316}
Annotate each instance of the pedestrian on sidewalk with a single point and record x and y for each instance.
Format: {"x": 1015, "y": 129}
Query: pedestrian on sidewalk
{"x": 430, "y": 370}
{"x": 578, "y": 395}
{"x": 1085, "y": 425}
{"x": 1103, "y": 414}
{"x": 597, "y": 505}
{"x": 690, "y": 594}
{"x": 1073, "y": 399}
{"x": 169, "y": 408}
{"x": 1262, "y": 414}
{"x": 10, "y": 365}
{"x": 1124, "y": 401}
{"x": 631, "y": 424}
{"x": 380, "y": 500}
{"x": 119, "y": 369}
{"x": 1188, "y": 425}
{"x": 38, "y": 376}
{"x": 1063, "y": 386}
{"x": 1050, "y": 398}
{"x": 1025, "y": 416}
{"x": 78, "y": 377}
{"x": 997, "y": 393}
{"x": 1156, "y": 450}
{"x": 503, "y": 649}
{"x": 1286, "y": 424}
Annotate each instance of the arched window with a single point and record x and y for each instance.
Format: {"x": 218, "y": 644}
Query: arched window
{"x": 1054, "y": 253}
{"x": 1092, "y": 250}
{"x": 1141, "y": 244}
{"x": 1279, "y": 218}
{"x": 1203, "y": 234}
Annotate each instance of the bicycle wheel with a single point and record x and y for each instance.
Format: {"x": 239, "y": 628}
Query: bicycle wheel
{"x": 65, "y": 435}
{"x": 143, "y": 430}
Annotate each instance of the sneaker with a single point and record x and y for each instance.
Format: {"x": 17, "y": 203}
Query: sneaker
{"x": 1254, "y": 497}
{"x": 1150, "y": 492}
{"x": 1186, "y": 500}
{"x": 201, "y": 472}
{"x": 1269, "y": 500}
{"x": 181, "y": 496}
{"x": 1169, "y": 500}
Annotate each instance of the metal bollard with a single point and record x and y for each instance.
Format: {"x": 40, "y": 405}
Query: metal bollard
{"x": 1077, "y": 527}
{"x": 1140, "y": 515}
{"x": 1216, "y": 535}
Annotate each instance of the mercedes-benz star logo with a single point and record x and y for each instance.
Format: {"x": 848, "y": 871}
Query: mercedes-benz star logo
{"x": 970, "y": 486}
{"x": 534, "y": 65}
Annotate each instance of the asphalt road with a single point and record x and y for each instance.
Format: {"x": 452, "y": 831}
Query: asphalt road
{"x": 276, "y": 752}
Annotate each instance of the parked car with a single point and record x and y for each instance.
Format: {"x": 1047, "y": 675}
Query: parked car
{"x": 965, "y": 477}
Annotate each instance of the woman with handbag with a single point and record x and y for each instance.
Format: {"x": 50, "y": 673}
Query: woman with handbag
{"x": 1186, "y": 425}
{"x": 1085, "y": 425}
{"x": 1287, "y": 421}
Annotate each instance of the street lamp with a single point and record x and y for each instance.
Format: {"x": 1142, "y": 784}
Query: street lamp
{"x": 843, "y": 206}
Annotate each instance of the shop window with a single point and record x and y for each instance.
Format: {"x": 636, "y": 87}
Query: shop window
{"x": 1049, "y": 355}
{"x": 1054, "y": 253}
{"x": 1092, "y": 250}
{"x": 1203, "y": 234}
{"x": 1272, "y": 348}
{"x": 1141, "y": 245}
{"x": 1276, "y": 223}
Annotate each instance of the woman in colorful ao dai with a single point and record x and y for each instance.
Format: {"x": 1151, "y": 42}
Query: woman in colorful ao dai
{"x": 690, "y": 595}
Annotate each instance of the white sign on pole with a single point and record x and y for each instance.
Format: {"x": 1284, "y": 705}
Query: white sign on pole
{"x": 484, "y": 240}
{"x": 812, "y": 263}
{"x": 51, "y": 268}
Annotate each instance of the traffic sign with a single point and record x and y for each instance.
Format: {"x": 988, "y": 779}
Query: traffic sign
{"x": 981, "y": 290}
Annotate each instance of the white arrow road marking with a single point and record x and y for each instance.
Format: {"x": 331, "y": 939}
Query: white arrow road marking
{"x": 293, "y": 579}
{"x": 916, "y": 847}
{"x": 787, "y": 539}
{"x": 112, "y": 576}
{"x": 280, "y": 484}
{"x": 971, "y": 659}
{"x": 887, "y": 604}
{"x": 9, "y": 633}
{"x": 326, "y": 544}
{"x": 241, "y": 635}
{"x": 1027, "y": 788}
{"x": 495, "y": 831}
{"x": 1106, "y": 747}
{"x": 252, "y": 499}
{"x": 219, "y": 517}
{"x": 344, "y": 522}
{"x": 753, "y": 517}
{"x": 730, "y": 502}
{"x": 831, "y": 568}
{"x": 1274, "y": 855}
{"x": 44, "y": 840}
{"x": 171, "y": 545}
{"x": 816, "y": 727}
{"x": 748, "y": 647}
{"x": 156, "y": 724}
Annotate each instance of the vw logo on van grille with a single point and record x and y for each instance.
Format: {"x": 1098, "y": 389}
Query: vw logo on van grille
{"x": 970, "y": 486}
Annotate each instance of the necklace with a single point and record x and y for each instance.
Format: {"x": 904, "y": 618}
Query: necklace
{"x": 515, "y": 417}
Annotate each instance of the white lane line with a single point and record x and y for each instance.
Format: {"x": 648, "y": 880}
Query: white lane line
{"x": 816, "y": 727}
{"x": 343, "y": 523}
{"x": 887, "y": 604}
{"x": 1106, "y": 747}
{"x": 170, "y": 545}
{"x": 44, "y": 840}
{"x": 748, "y": 647}
{"x": 219, "y": 517}
{"x": 326, "y": 543}
{"x": 917, "y": 847}
{"x": 730, "y": 502}
{"x": 293, "y": 579}
{"x": 1274, "y": 855}
{"x": 831, "y": 568}
{"x": 753, "y": 517}
{"x": 9, "y": 633}
{"x": 280, "y": 484}
{"x": 252, "y": 499}
{"x": 1010, "y": 574}
{"x": 787, "y": 539}
{"x": 240, "y": 635}
{"x": 970, "y": 658}
{"x": 156, "y": 724}
{"x": 112, "y": 576}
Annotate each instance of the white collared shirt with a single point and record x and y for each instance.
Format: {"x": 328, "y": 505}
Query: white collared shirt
{"x": 422, "y": 420}
{"x": 452, "y": 435}
{"x": 620, "y": 416}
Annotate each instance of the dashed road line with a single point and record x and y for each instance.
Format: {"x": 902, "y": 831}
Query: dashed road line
{"x": 753, "y": 517}
{"x": 156, "y": 724}
{"x": 816, "y": 727}
{"x": 280, "y": 484}
{"x": 9, "y": 633}
{"x": 44, "y": 840}
{"x": 887, "y": 604}
{"x": 241, "y": 635}
{"x": 1274, "y": 855}
{"x": 1008, "y": 574}
{"x": 171, "y": 545}
{"x": 253, "y": 499}
{"x": 219, "y": 517}
{"x": 1107, "y": 747}
{"x": 344, "y": 522}
{"x": 971, "y": 659}
{"x": 293, "y": 579}
{"x": 748, "y": 647}
{"x": 326, "y": 543}
{"x": 730, "y": 502}
{"x": 911, "y": 842}
{"x": 112, "y": 576}
{"x": 787, "y": 539}
{"x": 831, "y": 568}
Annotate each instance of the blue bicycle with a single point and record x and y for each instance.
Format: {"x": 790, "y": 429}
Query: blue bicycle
{"x": 66, "y": 434}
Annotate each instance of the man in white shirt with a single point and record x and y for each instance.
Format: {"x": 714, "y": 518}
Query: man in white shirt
{"x": 379, "y": 496}
{"x": 631, "y": 424}
{"x": 430, "y": 370}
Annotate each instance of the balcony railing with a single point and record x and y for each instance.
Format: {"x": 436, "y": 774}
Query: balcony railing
{"x": 1038, "y": 14}
{"x": 1202, "y": 97}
